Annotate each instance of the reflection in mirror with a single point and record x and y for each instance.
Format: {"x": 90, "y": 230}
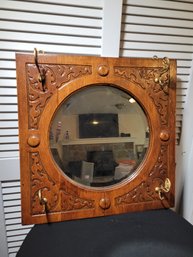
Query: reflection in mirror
{"x": 99, "y": 136}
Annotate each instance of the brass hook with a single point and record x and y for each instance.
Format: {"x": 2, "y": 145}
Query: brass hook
{"x": 41, "y": 72}
{"x": 165, "y": 188}
{"x": 43, "y": 201}
{"x": 160, "y": 79}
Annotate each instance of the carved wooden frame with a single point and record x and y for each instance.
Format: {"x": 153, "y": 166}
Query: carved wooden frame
{"x": 152, "y": 83}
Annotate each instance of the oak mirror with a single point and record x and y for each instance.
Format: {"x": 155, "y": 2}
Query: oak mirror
{"x": 99, "y": 135}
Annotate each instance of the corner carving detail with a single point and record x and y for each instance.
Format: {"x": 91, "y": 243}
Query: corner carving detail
{"x": 145, "y": 191}
{"x": 154, "y": 80}
{"x": 59, "y": 199}
{"x": 55, "y": 77}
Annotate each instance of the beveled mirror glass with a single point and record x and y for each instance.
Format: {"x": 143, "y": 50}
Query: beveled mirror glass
{"x": 99, "y": 135}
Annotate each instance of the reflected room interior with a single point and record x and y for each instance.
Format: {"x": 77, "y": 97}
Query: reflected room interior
{"x": 99, "y": 135}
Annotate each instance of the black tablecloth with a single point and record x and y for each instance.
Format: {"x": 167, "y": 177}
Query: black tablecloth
{"x": 157, "y": 233}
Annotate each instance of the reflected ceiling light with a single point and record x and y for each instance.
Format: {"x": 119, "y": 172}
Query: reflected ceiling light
{"x": 95, "y": 122}
{"x": 132, "y": 100}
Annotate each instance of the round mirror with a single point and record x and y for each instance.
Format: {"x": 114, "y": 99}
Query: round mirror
{"x": 99, "y": 136}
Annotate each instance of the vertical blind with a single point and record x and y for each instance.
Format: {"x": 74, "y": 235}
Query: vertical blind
{"x": 52, "y": 26}
{"x": 60, "y": 26}
{"x": 15, "y": 232}
{"x": 152, "y": 27}
{"x": 161, "y": 28}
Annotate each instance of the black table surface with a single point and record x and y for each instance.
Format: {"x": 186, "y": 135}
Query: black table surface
{"x": 154, "y": 233}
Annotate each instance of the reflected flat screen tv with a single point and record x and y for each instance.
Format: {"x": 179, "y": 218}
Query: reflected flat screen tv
{"x": 98, "y": 125}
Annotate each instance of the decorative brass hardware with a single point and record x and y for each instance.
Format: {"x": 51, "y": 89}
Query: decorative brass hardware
{"x": 163, "y": 78}
{"x": 165, "y": 188}
{"x": 43, "y": 200}
{"x": 42, "y": 75}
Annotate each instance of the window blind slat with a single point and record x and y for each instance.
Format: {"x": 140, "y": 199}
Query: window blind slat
{"x": 50, "y": 19}
{"x": 51, "y": 8}
{"x": 132, "y": 18}
{"x": 50, "y": 48}
{"x": 85, "y": 3}
{"x": 158, "y": 12}
{"x": 38, "y": 38}
{"x": 170, "y": 5}
{"x": 49, "y": 29}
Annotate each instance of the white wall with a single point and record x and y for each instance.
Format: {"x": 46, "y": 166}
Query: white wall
{"x": 185, "y": 154}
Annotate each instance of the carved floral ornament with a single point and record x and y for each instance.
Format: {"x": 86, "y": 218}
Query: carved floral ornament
{"x": 156, "y": 84}
{"x": 50, "y": 192}
{"x": 60, "y": 199}
{"x": 55, "y": 77}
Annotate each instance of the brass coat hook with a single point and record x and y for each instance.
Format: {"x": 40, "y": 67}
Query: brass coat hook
{"x": 43, "y": 201}
{"x": 162, "y": 79}
{"x": 42, "y": 75}
{"x": 165, "y": 188}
